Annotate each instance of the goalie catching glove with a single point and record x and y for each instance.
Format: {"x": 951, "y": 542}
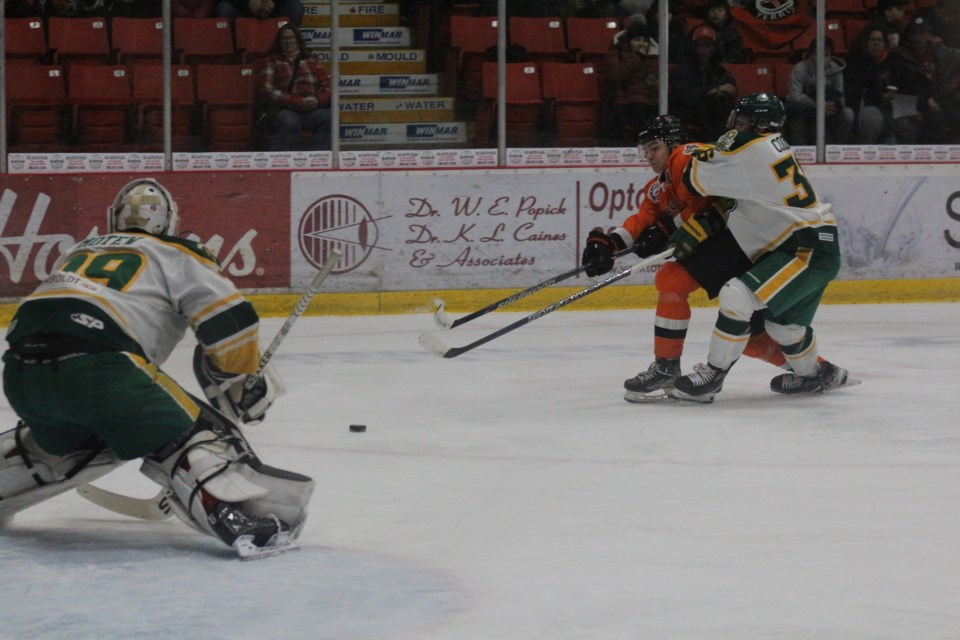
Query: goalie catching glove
{"x": 598, "y": 254}
{"x": 240, "y": 397}
{"x": 696, "y": 229}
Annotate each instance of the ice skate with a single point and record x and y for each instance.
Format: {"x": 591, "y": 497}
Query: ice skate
{"x": 830, "y": 376}
{"x": 651, "y": 385}
{"x": 702, "y": 385}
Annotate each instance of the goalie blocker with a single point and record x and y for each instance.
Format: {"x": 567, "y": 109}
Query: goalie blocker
{"x": 234, "y": 395}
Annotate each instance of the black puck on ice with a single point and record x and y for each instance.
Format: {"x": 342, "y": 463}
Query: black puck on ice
{"x": 358, "y": 428}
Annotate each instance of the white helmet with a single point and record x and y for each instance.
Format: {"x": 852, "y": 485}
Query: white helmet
{"x": 145, "y": 205}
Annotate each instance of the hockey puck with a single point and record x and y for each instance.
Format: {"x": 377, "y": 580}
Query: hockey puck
{"x": 358, "y": 428}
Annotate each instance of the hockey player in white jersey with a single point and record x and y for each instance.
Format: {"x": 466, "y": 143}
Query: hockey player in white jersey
{"x": 786, "y": 231}
{"x": 83, "y": 374}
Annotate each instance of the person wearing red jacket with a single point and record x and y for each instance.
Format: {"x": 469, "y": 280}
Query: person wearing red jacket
{"x": 295, "y": 94}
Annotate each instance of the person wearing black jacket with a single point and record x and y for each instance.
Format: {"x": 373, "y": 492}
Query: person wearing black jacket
{"x": 703, "y": 90}
{"x": 868, "y": 87}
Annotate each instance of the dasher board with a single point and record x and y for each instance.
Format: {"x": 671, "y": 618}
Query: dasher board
{"x": 352, "y": 15}
{"x": 358, "y": 36}
{"x": 389, "y": 84}
{"x": 399, "y": 133}
{"x": 413, "y": 109}
{"x": 377, "y": 62}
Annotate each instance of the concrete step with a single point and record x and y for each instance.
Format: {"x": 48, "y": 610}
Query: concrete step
{"x": 380, "y": 61}
{"x": 352, "y": 14}
{"x": 403, "y": 134}
{"x": 319, "y": 37}
{"x": 413, "y": 109}
{"x": 421, "y": 84}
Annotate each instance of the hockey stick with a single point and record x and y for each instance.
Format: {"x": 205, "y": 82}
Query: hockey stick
{"x": 445, "y": 321}
{"x": 155, "y": 508}
{"x": 431, "y": 343}
{"x": 298, "y": 310}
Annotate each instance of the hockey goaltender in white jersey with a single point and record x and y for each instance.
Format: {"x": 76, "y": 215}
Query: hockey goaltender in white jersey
{"x": 83, "y": 374}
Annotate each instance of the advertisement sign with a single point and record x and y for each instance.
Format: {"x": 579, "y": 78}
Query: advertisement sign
{"x": 358, "y": 36}
{"x": 403, "y": 133}
{"x": 242, "y": 218}
{"x": 449, "y": 227}
{"x": 511, "y": 228}
{"x": 394, "y": 84}
{"x": 456, "y": 230}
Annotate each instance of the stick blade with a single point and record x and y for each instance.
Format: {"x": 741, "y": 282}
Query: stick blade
{"x": 156, "y": 508}
{"x": 441, "y": 318}
{"x": 432, "y": 343}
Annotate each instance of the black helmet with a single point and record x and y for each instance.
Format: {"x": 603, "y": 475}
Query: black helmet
{"x": 764, "y": 110}
{"x": 666, "y": 128}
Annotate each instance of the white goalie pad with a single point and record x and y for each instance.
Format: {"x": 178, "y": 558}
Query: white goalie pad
{"x": 221, "y": 488}
{"x": 29, "y": 475}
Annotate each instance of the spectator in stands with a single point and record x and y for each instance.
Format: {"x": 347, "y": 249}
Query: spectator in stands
{"x": 729, "y": 42}
{"x": 892, "y": 15}
{"x": 944, "y": 17}
{"x": 925, "y": 69}
{"x": 192, "y": 8}
{"x": 678, "y": 47}
{"x": 294, "y": 94}
{"x": 802, "y": 99}
{"x": 702, "y": 89}
{"x": 631, "y": 77}
{"x": 868, "y": 87}
{"x": 292, "y": 9}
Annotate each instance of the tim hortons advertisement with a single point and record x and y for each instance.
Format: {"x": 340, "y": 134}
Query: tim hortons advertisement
{"x": 242, "y": 218}
{"x": 510, "y": 228}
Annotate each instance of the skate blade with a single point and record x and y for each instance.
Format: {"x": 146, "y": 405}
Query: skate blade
{"x": 280, "y": 543}
{"x": 849, "y": 382}
{"x": 682, "y": 397}
{"x": 638, "y": 397}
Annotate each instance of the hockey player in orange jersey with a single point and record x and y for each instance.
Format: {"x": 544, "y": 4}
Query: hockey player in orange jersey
{"x": 648, "y": 231}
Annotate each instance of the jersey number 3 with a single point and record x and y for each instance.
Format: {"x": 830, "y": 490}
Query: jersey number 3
{"x": 803, "y": 196}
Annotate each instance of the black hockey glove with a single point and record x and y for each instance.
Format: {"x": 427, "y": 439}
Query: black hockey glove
{"x": 695, "y": 230}
{"x": 598, "y": 254}
{"x": 654, "y": 238}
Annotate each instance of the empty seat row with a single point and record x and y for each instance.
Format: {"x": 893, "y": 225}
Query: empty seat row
{"x": 120, "y": 40}
{"x": 557, "y": 98}
{"x": 110, "y": 106}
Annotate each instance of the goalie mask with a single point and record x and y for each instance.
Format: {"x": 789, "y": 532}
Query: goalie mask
{"x": 143, "y": 205}
{"x": 763, "y": 112}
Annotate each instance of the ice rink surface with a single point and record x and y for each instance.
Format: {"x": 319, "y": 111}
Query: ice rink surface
{"x": 511, "y": 494}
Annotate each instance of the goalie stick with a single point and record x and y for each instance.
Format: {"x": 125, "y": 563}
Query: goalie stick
{"x": 298, "y": 310}
{"x": 433, "y": 344}
{"x": 445, "y": 321}
{"x": 157, "y": 508}
{"x": 213, "y": 390}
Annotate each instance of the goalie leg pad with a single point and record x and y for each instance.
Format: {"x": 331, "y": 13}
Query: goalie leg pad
{"x": 224, "y": 490}
{"x": 29, "y": 475}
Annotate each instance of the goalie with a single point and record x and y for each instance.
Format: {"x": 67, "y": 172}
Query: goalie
{"x": 83, "y": 374}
